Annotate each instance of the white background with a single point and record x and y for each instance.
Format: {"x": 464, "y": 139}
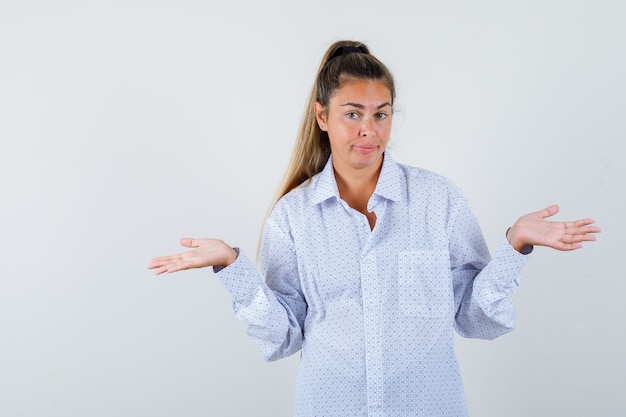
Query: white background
{"x": 128, "y": 124}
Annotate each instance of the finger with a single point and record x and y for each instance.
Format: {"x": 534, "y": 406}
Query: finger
{"x": 581, "y": 229}
{"x": 586, "y": 222}
{"x": 570, "y": 246}
{"x": 161, "y": 270}
{"x": 156, "y": 263}
{"x": 589, "y": 229}
{"x": 159, "y": 267}
{"x": 550, "y": 211}
{"x": 178, "y": 266}
{"x": 189, "y": 242}
{"x": 163, "y": 260}
{"x": 582, "y": 235}
{"x": 578, "y": 238}
{"x": 579, "y": 222}
{"x": 169, "y": 268}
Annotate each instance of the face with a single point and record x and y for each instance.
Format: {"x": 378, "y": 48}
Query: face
{"x": 358, "y": 122}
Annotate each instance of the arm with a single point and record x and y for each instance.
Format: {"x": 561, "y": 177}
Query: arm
{"x": 273, "y": 316}
{"x": 483, "y": 286}
{"x": 270, "y": 304}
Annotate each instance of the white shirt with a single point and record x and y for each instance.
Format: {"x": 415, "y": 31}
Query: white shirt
{"x": 373, "y": 311}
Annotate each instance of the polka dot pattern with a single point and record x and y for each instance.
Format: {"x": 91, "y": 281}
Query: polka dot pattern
{"x": 373, "y": 312}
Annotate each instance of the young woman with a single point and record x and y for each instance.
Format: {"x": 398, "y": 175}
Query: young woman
{"x": 367, "y": 266}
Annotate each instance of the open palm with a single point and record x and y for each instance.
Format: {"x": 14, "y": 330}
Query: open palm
{"x": 206, "y": 252}
{"x": 535, "y": 229}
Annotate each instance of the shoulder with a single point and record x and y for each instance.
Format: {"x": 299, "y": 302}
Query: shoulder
{"x": 295, "y": 202}
{"x": 434, "y": 197}
{"x": 289, "y": 215}
{"x": 426, "y": 180}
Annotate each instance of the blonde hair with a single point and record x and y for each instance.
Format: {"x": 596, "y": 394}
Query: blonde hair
{"x": 344, "y": 60}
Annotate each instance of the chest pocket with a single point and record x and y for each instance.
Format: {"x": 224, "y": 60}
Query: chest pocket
{"x": 425, "y": 283}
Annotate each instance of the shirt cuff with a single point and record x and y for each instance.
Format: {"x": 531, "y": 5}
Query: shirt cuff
{"x": 240, "y": 278}
{"x": 218, "y": 268}
{"x": 526, "y": 249}
{"x": 507, "y": 253}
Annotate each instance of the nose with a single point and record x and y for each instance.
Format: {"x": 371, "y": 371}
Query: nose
{"x": 367, "y": 127}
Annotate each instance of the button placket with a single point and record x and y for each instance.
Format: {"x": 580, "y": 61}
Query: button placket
{"x": 373, "y": 339}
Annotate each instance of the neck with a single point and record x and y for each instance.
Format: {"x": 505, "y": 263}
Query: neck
{"x": 356, "y": 186}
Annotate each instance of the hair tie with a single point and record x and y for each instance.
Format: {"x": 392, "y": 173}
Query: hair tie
{"x": 343, "y": 50}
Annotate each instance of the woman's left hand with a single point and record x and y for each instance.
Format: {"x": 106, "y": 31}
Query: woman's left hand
{"x": 534, "y": 229}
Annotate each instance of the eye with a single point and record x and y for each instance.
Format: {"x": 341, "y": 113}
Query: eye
{"x": 352, "y": 115}
{"x": 381, "y": 115}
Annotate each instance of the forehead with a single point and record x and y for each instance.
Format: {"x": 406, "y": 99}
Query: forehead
{"x": 362, "y": 92}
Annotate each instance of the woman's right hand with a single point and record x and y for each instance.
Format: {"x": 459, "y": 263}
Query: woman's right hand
{"x": 206, "y": 252}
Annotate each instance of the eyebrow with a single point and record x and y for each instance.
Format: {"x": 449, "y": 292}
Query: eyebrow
{"x": 360, "y": 106}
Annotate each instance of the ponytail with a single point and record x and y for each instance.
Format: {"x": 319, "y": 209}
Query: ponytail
{"x": 342, "y": 61}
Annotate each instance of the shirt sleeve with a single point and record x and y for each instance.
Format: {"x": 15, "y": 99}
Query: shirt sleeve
{"x": 272, "y": 309}
{"x": 483, "y": 286}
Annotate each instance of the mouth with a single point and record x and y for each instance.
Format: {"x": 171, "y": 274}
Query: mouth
{"x": 365, "y": 148}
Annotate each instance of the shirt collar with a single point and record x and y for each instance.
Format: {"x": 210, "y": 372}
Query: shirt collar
{"x": 324, "y": 185}
{"x": 389, "y": 184}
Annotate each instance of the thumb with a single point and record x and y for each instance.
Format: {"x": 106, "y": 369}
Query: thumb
{"x": 189, "y": 242}
{"x": 550, "y": 211}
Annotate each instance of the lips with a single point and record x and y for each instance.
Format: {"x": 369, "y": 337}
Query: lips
{"x": 365, "y": 148}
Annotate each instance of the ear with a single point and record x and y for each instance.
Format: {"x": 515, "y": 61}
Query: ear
{"x": 320, "y": 115}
